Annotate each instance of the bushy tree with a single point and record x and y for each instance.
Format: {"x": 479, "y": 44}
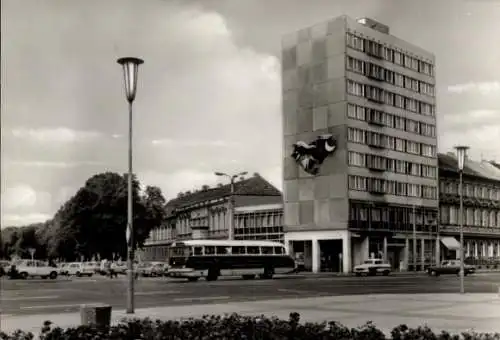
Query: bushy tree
{"x": 91, "y": 223}
{"x": 94, "y": 221}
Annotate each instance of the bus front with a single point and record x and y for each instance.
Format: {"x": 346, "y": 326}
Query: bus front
{"x": 178, "y": 256}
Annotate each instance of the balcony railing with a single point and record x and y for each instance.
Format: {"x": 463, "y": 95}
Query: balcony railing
{"x": 470, "y": 229}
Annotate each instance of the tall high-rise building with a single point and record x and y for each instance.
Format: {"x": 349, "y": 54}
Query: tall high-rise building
{"x": 360, "y": 146}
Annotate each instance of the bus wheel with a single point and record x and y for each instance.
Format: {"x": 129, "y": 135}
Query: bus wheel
{"x": 192, "y": 279}
{"x": 212, "y": 274}
{"x": 248, "y": 277}
{"x": 268, "y": 274}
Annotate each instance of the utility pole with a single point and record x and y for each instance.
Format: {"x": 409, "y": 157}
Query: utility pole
{"x": 414, "y": 239}
{"x": 232, "y": 178}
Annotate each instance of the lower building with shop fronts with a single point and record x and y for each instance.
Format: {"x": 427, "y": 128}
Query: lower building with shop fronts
{"x": 481, "y": 203}
{"x": 205, "y": 214}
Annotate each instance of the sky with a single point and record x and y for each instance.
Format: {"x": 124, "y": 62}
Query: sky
{"x": 208, "y": 96}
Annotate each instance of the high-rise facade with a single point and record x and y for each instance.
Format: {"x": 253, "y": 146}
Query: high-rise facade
{"x": 374, "y": 191}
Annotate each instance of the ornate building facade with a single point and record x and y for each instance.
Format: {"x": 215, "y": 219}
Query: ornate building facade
{"x": 203, "y": 214}
{"x": 481, "y": 199}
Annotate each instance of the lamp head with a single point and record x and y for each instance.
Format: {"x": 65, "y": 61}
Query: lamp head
{"x": 461, "y": 156}
{"x": 130, "y": 70}
{"x": 220, "y": 174}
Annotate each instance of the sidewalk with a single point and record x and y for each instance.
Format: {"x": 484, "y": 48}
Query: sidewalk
{"x": 452, "y": 312}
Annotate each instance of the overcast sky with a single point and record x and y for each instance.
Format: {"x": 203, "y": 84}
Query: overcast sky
{"x": 209, "y": 91}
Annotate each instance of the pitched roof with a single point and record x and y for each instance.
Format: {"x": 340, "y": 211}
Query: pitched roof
{"x": 448, "y": 162}
{"x": 253, "y": 186}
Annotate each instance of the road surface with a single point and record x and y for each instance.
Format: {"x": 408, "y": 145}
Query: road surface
{"x": 23, "y": 297}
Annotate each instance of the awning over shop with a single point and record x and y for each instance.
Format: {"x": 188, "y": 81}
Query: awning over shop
{"x": 451, "y": 243}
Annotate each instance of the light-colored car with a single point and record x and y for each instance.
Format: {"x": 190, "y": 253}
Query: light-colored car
{"x": 96, "y": 266}
{"x": 372, "y": 267}
{"x": 35, "y": 268}
{"x": 79, "y": 269}
{"x": 62, "y": 268}
{"x": 119, "y": 267}
{"x": 152, "y": 269}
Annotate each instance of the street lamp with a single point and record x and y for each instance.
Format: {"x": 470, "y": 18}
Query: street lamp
{"x": 461, "y": 155}
{"x": 230, "y": 234}
{"x": 130, "y": 70}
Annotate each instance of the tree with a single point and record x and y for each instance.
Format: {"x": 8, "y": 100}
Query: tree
{"x": 93, "y": 222}
{"x": 18, "y": 241}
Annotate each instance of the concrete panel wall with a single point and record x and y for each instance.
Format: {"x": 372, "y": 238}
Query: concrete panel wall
{"x": 314, "y": 94}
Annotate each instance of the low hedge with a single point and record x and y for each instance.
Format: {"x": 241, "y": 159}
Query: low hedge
{"x": 239, "y": 327}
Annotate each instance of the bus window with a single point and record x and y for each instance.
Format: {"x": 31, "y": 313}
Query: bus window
{"x": 238, "y": 250}
{"x": 209, "y": 250}
{"x": 253, "y": 250}
{"x": 267, "y": 250}
{"x": 222, "y": 250}
{"x": 279, "y": 250}
{"x": 198, "y": 251}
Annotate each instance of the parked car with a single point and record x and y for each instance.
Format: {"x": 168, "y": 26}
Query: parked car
{"x": 152, "y": 269}
{"x": 450, "y": 267}
{"x": 79, "y": 269}
{"x": 4, "y": 267}
{"x": 62, "y": 268}
{"x": 119, "y": 267}
{"x": 372, "y": 267}
{"x": 32, "y": 268}
{"x": 96, "y": 266}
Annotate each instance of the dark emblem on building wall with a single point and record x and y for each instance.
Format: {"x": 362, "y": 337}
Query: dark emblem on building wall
{"x": 311, "y": 155}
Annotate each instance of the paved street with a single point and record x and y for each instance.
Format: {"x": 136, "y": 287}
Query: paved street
{"x": 21, "y": 297}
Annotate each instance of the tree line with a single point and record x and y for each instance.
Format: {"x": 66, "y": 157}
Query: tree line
{"x": 91, "y": 224}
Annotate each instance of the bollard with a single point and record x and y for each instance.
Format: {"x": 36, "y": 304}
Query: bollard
{"x": 96, "y": 315}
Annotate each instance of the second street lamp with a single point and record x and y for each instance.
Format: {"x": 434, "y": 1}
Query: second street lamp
{"x": 232, "y": 178}
{"x": 461, "y": 156}
{"x": 130, "y": 71}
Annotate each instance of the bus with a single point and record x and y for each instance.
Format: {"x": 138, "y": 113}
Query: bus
{"x": 212, "y": 259}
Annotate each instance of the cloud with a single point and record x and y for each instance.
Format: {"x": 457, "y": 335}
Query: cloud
{"x": 191, "y": 143}
{"x": 52, "y": 164}
{"x": 206, "y": 101}
{"x": 173, "y": 183}
{"x": 18, "y": 196}
{"x": 483, "y": 88}
{"x": 55, "y": 135}
{"x": 14, "y": 220}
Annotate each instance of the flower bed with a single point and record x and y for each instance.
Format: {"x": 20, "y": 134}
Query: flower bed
{"x": 238, "y": 327}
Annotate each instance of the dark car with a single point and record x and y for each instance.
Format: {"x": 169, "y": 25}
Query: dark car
{"x": 449, "y": 267}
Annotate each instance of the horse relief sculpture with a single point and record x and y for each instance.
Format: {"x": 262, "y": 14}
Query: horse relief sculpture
{"x": 311, "y": 155}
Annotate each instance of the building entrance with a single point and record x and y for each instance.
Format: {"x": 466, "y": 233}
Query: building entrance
{"x": 331, "y": 255}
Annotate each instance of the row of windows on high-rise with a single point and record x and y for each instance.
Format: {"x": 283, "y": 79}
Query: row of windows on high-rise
{"x": 389, "y": 53}
{"x": 398, "y": 166}
{"x": 379, "y": 73}
{"x": 488, "y": 218}
{"x": 381, "y": 96}
{"x": 379, "y": 140}
{"x": 389, "y": 187}
{"x": 390, "y": 120}
{"x": 470, "y": 190}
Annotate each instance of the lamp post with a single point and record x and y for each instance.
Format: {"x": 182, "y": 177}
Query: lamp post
{"x": 461, "y": 155}
{"x": 130, "y": 70}
{"x": 230, "y": 234}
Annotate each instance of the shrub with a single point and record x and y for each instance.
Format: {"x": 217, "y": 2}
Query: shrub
{"x": 238, "y": 327}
